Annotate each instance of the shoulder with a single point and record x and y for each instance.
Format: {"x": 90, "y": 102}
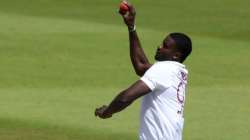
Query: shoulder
{"x": 166, "y": 66}
{"x": 163, "y": 74}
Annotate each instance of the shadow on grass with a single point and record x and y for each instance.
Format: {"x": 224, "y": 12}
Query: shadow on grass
{"x": 11, "y": 129}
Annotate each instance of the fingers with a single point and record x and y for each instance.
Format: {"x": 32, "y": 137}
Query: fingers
{"x": 129, "y": 16}
{"x": 126, "y": 2}
{"x": 96, "y": 112}
{"x": 131, "y": 8}
{"x": 100, "y": 112}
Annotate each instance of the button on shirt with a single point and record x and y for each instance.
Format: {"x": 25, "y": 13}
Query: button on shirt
{"x": 162, "y": 109}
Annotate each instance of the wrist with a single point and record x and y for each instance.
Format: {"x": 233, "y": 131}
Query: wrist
{"x": 131, "y": 28}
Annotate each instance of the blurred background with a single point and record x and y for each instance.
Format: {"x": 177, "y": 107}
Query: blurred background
{"x": 61, "y": 59}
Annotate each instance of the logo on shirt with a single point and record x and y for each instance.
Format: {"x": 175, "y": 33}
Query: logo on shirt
{"x": 181, "y": 91}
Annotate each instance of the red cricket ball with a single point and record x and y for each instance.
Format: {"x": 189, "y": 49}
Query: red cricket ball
{"x": 123, "y": 8}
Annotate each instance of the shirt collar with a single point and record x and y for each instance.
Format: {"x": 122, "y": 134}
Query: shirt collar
{"x": 172, "y": 62}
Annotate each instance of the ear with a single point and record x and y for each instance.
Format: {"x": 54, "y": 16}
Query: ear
{"x": 177, "y": 56}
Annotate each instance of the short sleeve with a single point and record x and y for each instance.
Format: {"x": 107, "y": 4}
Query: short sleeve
{"x": 149, "y": 82}
{"x": 158, "y": 76}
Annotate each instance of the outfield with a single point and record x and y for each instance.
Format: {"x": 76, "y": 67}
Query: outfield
{"x": 61, "y": 59}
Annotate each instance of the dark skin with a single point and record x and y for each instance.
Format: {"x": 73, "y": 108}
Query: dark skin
{"x": 166, "y": 51}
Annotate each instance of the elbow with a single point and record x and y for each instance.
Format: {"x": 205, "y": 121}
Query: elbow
{"x": 141, "y": 69}
{"x": 140, "y": 72}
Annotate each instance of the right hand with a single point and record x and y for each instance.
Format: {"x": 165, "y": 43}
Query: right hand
{"x": 129, "y": 17}
{"x": 100, "y": 112}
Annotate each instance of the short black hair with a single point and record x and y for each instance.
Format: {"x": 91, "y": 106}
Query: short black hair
{"x": 183, "y": 44}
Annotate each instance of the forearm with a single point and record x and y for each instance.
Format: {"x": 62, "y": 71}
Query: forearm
{"x": 119, "y": 103}
{"x": 137, "y": 55}
{"x": 122, "y": 100}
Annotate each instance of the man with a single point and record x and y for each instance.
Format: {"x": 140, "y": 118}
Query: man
{"x": 162, "y": 85}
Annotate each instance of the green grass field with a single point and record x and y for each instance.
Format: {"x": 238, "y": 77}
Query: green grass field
{"x": 61, "y": 59}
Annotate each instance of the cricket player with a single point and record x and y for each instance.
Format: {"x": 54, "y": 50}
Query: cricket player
{"x": 162, "y": 85}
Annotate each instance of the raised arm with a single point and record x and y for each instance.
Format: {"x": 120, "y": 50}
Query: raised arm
{"x": 123, "y": 99}
{"x": 137, "y": 55}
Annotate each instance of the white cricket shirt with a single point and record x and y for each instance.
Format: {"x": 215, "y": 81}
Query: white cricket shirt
{"x": 162, "y": 109}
